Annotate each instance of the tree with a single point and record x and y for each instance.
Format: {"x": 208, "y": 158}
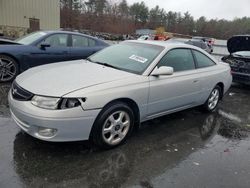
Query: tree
{"x": 103, "y": 15}
{"x": 171, "y": 21}
{"x": 96, "y": 6}
{"x": 188, "y": 24}
{"x": 157, "y": 17}
{"x": 200, "y": 26}
{"x": 124, "y": 8}
{"x": 70, "y": 9}
{"x": 139, "y": 13}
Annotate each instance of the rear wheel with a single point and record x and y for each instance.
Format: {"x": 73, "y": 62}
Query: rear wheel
{"x": 213, "y": 99}
{"x": 8, "y": 68}
{"x": 113, "y": 126}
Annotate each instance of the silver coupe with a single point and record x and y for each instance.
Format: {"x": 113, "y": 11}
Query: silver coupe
{"x": 104, "y": 97}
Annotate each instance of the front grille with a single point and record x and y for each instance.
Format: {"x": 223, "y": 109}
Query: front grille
{"x": 239, "y": 65}
{"x": 19, "y": 93}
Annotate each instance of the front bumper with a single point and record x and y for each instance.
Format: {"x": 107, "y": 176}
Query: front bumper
{"x": 71, "y": 124}
{"x": 243, "y": 78}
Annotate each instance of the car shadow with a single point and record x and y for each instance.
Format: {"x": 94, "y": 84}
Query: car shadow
{"x": 241, "y": 86}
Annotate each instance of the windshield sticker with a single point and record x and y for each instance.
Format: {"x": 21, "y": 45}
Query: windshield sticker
{"x": 138, "y": 58}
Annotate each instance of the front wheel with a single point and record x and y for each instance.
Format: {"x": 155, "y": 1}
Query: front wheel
{"x": 113, "y": 125}
{"x": 213, "y": 99}
{"x": 8, "y": 68}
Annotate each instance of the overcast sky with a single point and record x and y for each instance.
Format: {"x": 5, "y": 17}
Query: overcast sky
{"x": 221, "y": 9}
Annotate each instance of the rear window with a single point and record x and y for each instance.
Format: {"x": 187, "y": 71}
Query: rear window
{"x": 82, "y": 41}
{"x": 202, "y": 60}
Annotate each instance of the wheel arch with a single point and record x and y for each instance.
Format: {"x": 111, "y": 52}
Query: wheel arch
{"x": 128, "y": 101}
{"x": 221, "y": 85}
{"x": 13, "y": 57}
{"x": 131, "y": 103}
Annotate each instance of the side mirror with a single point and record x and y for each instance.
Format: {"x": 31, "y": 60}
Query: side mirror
{"x": 43, "y": 46}
{"x": 164, "y": 70}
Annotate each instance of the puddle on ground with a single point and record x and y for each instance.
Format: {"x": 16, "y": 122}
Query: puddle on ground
{"x": 187, "y": 148}
{"x": 4, "y": 107}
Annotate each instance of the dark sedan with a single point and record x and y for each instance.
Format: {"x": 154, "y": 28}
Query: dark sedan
{"x": 44, "y": 47}
{"x": 239, "y": 58}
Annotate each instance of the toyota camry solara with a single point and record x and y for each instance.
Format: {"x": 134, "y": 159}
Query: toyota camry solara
{"x": 104, "y": 97}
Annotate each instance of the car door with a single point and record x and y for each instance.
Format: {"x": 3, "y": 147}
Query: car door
{"x": 53, "y": 48}
{"x": 82, "y": 47}
{"x": 177, "y": 91}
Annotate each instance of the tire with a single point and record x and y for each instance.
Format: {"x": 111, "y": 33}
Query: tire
{"x": 113, "y": 126}
{"x": 8, "y": 68}
{"x": 212, "y": 102}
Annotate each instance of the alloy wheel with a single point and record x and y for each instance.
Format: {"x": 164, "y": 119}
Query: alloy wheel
{"x": 116, "y": 127}
{"x": 8, "y": 69}
{"x": 213, "y": 99}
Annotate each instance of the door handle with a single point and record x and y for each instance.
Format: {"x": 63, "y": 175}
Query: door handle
{"x": 195, "y": 81}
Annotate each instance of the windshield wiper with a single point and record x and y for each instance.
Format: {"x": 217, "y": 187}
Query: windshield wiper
{"x": 104, "y": 64}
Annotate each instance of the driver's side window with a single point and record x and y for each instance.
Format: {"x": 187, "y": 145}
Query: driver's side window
{"x": 56, "y": 40}
{"x": 179, "y": 59}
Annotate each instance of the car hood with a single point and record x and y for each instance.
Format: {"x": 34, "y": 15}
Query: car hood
{"x": 238, "y": 43}
{"x": 59, "y": 79}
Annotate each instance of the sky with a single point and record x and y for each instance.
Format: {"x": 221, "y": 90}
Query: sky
{"x": 220, "y": 9}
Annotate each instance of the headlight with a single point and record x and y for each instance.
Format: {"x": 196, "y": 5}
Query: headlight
{"x": 45, "y": 102}
{"x": 69, "y": 103}
{"x": 55, "y": 103}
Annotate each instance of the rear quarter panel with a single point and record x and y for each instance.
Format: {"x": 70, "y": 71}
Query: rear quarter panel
{"x": 211, "y": 76}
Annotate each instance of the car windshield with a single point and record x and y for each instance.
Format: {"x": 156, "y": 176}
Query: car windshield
{"x": 28, "y": 39}
{"x": 128, "y": 56}
{"x": 242, "y": 53}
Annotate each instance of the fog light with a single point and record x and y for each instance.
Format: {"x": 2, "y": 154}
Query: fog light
{"x": 46, "y": 132}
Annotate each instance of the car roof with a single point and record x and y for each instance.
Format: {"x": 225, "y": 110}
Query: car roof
{"x": 61, "y": 31}
{"x": 165, "y": 44}
{"x": 69, "y": 32}
{"x": 197, "y": 41}
{"x": 198, "y": 37}
{"x": 168, "y": 45}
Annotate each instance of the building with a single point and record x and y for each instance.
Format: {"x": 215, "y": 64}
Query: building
{"x": 19, "y": 17}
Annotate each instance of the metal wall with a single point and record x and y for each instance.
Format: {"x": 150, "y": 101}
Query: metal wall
{"x": 17, "y": 13}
